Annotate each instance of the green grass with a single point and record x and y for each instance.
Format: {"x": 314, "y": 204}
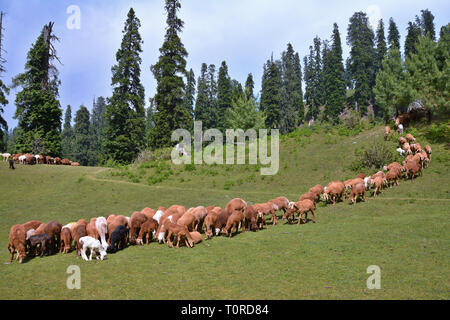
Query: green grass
{"x": 405, "y": 230}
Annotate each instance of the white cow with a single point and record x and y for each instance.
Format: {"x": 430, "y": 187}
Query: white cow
{"x": 93, "y": 245}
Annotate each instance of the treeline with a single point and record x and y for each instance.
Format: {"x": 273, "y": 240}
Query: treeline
{"x": 376, "y": 80}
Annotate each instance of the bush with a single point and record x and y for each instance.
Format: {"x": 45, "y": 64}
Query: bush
{"x": 154, "y": 155}
{"x": 439, "y": 133}
{"x": 375, "y": 156}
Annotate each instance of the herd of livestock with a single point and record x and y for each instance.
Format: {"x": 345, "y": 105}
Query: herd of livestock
{"x": 184, "y": 226}
{"x": 37, "y": 159}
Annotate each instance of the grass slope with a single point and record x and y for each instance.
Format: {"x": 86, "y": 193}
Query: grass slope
{"x": 404, "y": 231}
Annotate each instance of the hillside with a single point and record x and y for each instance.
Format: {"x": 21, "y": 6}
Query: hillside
{"x": 404, "y": 230}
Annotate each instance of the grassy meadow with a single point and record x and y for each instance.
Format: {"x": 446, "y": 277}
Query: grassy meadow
{"x": 405, "y": 230}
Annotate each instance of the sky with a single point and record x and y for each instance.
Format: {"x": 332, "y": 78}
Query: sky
{"x": 244, "y": 33}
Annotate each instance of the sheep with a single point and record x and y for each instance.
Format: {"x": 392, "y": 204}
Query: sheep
{"x": 336, "y": 189}
{"x": 401, "y": 152}
{"x": 401, "y": 141}
{"x": 407, "y": 148}
{"x": 357, "y": 189}
{"x": 387, "y": 132}
{"x": 410, "y": 138}
{"x": 428, "y": 151}
{"x": 378, "y": 183}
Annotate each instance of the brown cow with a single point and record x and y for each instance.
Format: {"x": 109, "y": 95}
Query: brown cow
{"x": 17, "y": 241}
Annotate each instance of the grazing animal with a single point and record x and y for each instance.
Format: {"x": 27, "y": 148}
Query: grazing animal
{"x": 179, "y": 232}
{"x": 114, "y": 222}
{"x": 30, "y": 233}
{"x": 174, "y": 209}
{"x": 412, "y": 168}
{"x": 196, "y": 237}
{"x": 146, "y": 231}
{"x": 360, "y": 176}
{"x": 6, "y": 156}
{"x": 410, "y": 138}
{"x": 402, "y": 119}
{"x": 33, "y": 224}
{"x": 75, "y": 164}
{"x": 66, "y": 240}
{"x": 11, "y": 164}
{"x": 234, "y": 221}
{"x": 94, "y": 246}
{"x": 78, "y": 232}
{"x": 400, "y": 128}
{"x": 102, "y": 229}
{"x": 251, "y": 217}
{"x": 149, "y": 212}
{"x": 17, "y": 242}
{"x": 392, "y": 177}
{"x": 91, "y": 229}
{"x": 303, "y": 207}
{"x": 407, "y": 148}
{"x": 221, "y": 221}
{"x": 57, "y": 160}
{"x": 53, "y": 229}
{"x": 281, "y": 203}
{"x": 45, "y": 242}
{"x": 136, "y": 221}
{"x": 377, "y": 182}
{"x": 236, "y": 204}
{"x": 317, "y": 190}
{"x": 118, "y": 238}
{"x": 357, "y": 190}
{"x": 334, "y": 190}
{"x": 387, "y": 132}
{"x": 266, "y": 209}
{"x": 289, "y": 214}
{"x": 188, "y": 219}
{"x": 211, "y": 219}
{"x": 401, "y": 141}
{"x": 428, "y": 151}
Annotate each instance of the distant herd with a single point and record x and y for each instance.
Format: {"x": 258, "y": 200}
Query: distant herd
{"x": 37, "y": 159}
{"x": 183, "y": 226}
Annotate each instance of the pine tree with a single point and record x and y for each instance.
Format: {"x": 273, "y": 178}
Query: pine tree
{"x": 426, "y": 23}
{"x": 381, "y": 51}
{"x": 298, "y": 88}
{"x": 270, "y": 94}
{"x": 362, "y": 60}
{"x": 237, "y": 92}
{"x": 290, "y": 94}
{"x": 412, "y": 38}
{"x": 169, "y": 72}
{"x": 389, "y": 84}
{"x": 202, "y": 111}
{"x": 190, "y": 93}
{"x": 249, "y": 86}
{"x": 124, "y": 135}
{"x": 67, "y": 134}
{"x": 443, "y": 49}
{"x": 393, "y": 35}
{"x": 307, "y": 62}
{"x": 82, "y": 141}
{"x": 244, "y": 115}
{"x": 37, "y": 108}
{"x": 334, "y": 79}
{"x": 98, "y": 124}
{"x": 224, "y": 95}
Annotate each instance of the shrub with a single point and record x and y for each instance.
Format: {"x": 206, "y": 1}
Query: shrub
{"x": 375, "y": 156}
{"x": 439, "y": 133}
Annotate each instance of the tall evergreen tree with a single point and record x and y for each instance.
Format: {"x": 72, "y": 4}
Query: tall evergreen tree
{"x": 270, "y": 94}
{"x": 169, "y": 72}
{"x": 334, "y": 79}
{"x": 224, "y": 95}
{"x": 124, "y": 135}
{"x": 393, "y": 35}
{"x": 362, "y": 66}
{"x": 190, "y": 93}
{"x": 237, "y": 91}
{"x": 38, "y": 109}
{"x": 412, "y": 38}
{"x": 202, "y": 111}
{"x": 299, "y": 87}
{"x": 67, "y": 134}
{"x": 249, "y": 86}
{"x": 381, "y": 51}
{"x": 307, "y": 62}
{"x": 82, "y": 142}
{"x": 426, "y": 23}
{"x": 98, "y": 124}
